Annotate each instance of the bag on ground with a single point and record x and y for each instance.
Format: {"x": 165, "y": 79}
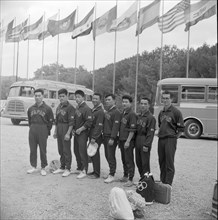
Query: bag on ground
{"x": 136, "y": 201}
{"x": 120, "y": 207}
{"x": 54, "y": 165}
{"x": 162, "y": 192}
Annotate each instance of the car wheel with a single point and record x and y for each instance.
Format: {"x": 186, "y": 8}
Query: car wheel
{"x": 193, "y": 129}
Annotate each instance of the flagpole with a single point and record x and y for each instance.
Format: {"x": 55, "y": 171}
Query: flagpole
{"x": 187, "y": 61}
{"x": 28, "y": 42}
{"x": 77, "y": 17}
{"x": 58, "y": 49}
{"x": 43, "y": 45}
{"x": 161, "y": 51}
{"x": 1, "y": 47}
{"x": 115, "y": 52}
{"x": 137, "y": 59}
{"x": 14, "y": 51}
{"x": 93, "y": 75}
{"x": 17, "y": 60}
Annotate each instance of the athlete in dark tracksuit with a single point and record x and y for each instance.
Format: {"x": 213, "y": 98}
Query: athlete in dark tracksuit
{"x": 146, "y": 123}
{"x": 170, "y": 123}
{"x": 127, "y": 125}
{"x": 40, "y": 122}
{"x": 83, "y": 118}
{"x": 64, "y": 119}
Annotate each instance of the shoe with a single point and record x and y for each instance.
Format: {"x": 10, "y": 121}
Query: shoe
{"x": 91, "y": 173}
{"x": 110, "y": 179}
{"x": 124, "y": 179}
{"x": 81, "y": 175}
{"x": 58, "y": 171}
{"x": 138, "y": 213}
{"x": 76, "y": 171}
{"x": 129, "y": 183}
{"x": 43, "y": 172}
{"x": 105, "y": 177}
{"x": 66, "y": 173}
{"x": 94, "y": 176}
{"x": 32, "y": 170}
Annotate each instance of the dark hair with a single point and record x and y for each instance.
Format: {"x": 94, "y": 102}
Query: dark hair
{"x": 127, "y": 97}
{"x": 112, "y": 95}
{"x": 98, "y": 94}
{"x": 80, "y": 92}
{"x": 62, "y": 91}
{"x": 145, "y": 98}
{"x": 166, "y": 92}
{"x": 39, "y": 90}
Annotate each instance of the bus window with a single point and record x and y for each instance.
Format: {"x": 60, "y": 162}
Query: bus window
{"x": 72, "y": 96}
{"x": 14, "y": 91}
{"x": 172, "y": 89}
{"x": 88, "y": 98}
{"x": 45, "y": 93}
{"x": 190, "y": 93}
{"x": 212, "y": 94}
{"x": 52, "y": 94}
{"x": 26, "y": 91}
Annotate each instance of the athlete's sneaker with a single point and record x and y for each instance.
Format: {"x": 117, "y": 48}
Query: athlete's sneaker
{"x": 43, "y": 172}
{"x": 110, "y": 179}
{"x": 129, "y": 183}
{"x": 66, "y": 173}
{"x": 124, "y": 179}
{"x": 81, "y": 175}
{"x": 32, "y": 170}
{"x": 58, "y": 171}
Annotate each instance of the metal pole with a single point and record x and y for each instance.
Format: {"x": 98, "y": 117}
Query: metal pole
{"x": 14, "y": 51}
{"x": 27, "y": 68}
{"x": 57, "y": 74}
{"x": 17, "y": 60}
{"x": 161, "y": 51}
{"x": 76, "y": 49}
{"x": 93, "y": 76}
{"x": 1, "y": 49}
{"x": 187, "y": 61}
{"x": 43, "y": 46}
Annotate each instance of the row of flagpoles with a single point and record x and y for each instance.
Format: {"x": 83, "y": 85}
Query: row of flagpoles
{"x": 182, "y": 13}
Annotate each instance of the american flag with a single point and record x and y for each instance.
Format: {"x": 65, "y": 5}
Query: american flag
{"x": 174, "y": 17}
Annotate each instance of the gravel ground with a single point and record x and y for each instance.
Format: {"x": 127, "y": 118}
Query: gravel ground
{"x": 54, "y": 197}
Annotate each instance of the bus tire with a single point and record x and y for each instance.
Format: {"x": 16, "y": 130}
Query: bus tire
{"x": 193, "y": 129}
{"x": 15, "y": 121}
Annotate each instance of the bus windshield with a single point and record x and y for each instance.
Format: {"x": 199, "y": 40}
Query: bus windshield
{"x": 24, "y": 91}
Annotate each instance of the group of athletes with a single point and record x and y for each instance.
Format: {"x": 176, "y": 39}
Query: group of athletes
{"x": 108, "y": 126}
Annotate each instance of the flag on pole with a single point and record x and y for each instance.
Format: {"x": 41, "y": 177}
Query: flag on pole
{"x": 32, "y": 31}
{"x": 148, "y": 16}
{"x": 62, "y": 26}
{"x": 174, "y": 17}
{"x": 84, "y": 27}
{"x": 126, "y": 20}
{"x": 199, "y": 11}
{"x": 15, "y": 34}
{"x": 103, "y": 23}
{"x": 44, "y": 31}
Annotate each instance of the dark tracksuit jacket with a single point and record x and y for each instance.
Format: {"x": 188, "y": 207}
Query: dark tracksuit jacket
{"x": 127, "y": 125}
{"x": 96, "y": 133}
{"x": 40, "y": 120}
{"x": 170, "y": 122}
{"x": 83, "y": 117}
{"x": 64, "y": 119}
{"x": 146, "y": 124}
{"x": 110, "y": 131}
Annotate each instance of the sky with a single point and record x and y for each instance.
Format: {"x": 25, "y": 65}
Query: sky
{"x": 203, "y": 32}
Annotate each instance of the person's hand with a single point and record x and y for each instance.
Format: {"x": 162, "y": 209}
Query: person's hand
{"x": 92, "y": 141}
{"x": 110, "y": 142}
{"x": 67, "y": 137}
{"x": 126, "y": 145}
{"x": 78, "y": 131}
{"x": 54, "y": 135}
{"x": 145, "y": 149}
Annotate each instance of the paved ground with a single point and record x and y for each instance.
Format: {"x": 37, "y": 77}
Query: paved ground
{"x": 54, "y": 197}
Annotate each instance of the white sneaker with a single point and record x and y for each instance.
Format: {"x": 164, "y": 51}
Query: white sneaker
{"x": 58, "y": 171}
{"x": 110, "y": 179}
{"x": 32, "y": 170}
{"x": 66, "y": 173}
{"x": 43, "y": 172}
{"x": 81, "y": 175}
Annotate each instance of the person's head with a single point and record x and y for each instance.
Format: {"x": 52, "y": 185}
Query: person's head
{"x": 80, "y": 96}
{"x": 166, "y": 98}
{"x": 126, "y": 101}
{"x": 96, "y": 99}
{"x": 144, "y": 104}
{"x": 62, "y": 95}
{"x": 38, "y": 93}
{"x": 110, "y": 100}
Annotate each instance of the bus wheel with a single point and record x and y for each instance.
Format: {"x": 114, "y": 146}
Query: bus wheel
{"x": 193, "y": 129}
{"x": 15, "y": 121}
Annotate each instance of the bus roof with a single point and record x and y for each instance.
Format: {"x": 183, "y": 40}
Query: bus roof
{"x": 52, "y": 85}
{"x": 189, "y": 81}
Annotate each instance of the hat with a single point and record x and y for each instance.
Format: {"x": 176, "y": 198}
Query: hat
{"x": 92, "y": 149}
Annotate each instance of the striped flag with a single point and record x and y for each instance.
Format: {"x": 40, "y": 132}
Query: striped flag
{"x": 199, "y": 11}
{"x": 174, "y": 17}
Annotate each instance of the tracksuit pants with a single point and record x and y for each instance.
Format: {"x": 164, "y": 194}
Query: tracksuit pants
{"x": 166, "y": 154}
{"x": 64, "y": 147}
{"x": 127, "y": 156}
{"x": 110, "y": 154}
{"x": 38, "y": 135}
{"x": 80, "y": 150}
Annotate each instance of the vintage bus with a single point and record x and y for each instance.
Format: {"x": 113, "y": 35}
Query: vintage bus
{"x": 196, "y": 99}
{"x": 21, "y": 97}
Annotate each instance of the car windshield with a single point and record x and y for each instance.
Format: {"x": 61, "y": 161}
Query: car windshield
{"x": 24, "y": 91}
